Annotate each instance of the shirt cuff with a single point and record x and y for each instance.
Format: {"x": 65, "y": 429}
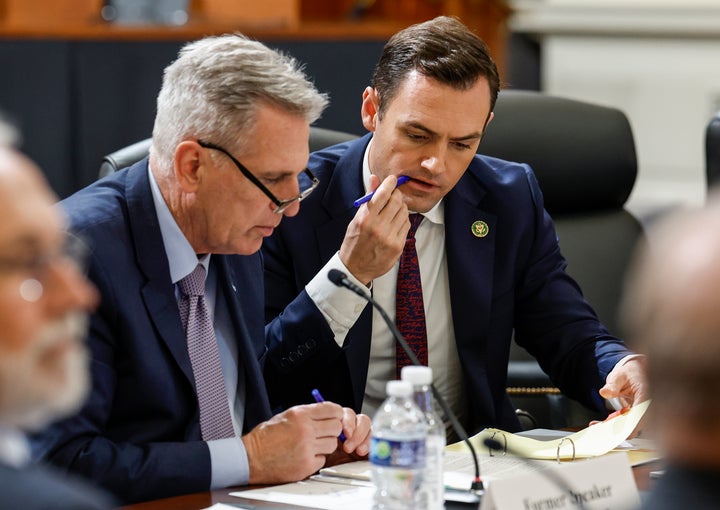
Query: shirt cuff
{"x": 229, "y": 463}
{"x": 340, "y": 307}
{"x": 627, "y": 358}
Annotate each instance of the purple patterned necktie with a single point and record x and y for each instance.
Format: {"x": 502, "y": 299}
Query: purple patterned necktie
{"x": 215, "y": 421}
{"x": 409, "y": 308}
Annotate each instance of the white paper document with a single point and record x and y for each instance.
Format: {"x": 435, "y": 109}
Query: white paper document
{"x": 590, "y": 442}
{"x": 315, "y": 494}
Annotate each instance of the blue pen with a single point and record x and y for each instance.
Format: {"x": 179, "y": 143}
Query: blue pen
{"x": 319, "y": 398}
{"x": 360, "y": 201}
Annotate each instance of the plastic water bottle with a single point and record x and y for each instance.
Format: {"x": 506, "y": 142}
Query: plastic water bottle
{"x": 397, "y": 450}
{"x": 432, "y": 488}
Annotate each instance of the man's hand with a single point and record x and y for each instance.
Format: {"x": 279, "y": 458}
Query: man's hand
{"x": 627, "y": 383}
{"x": 375, "y": 238}
{"x": 356, "y": 428}
{"x": 293, "y": 445}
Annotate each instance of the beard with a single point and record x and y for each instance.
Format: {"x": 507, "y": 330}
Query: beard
{"x": 48, "y": 379}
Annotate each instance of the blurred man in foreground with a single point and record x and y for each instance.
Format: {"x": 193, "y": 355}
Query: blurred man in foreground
{"x": 671, "y": 312}
{"x": 44, "y": 301}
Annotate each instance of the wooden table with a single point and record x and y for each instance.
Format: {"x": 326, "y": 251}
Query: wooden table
{"x": 209, "y": 498}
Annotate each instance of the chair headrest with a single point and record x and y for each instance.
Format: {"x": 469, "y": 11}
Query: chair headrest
{"x": 124, "y": 157}
{"x": 582, "y": 154}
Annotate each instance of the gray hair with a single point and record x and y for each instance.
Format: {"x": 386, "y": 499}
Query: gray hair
{"x": 211, "y": 92}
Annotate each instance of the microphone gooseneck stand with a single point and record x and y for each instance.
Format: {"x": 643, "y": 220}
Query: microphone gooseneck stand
{"x": 341, "y": 280}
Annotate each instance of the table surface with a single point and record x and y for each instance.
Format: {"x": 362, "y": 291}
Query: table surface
{"x": 206, "y": 499}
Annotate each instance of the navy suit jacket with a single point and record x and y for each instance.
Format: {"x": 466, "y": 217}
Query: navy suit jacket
{"x": 139, "y": 433}
{"x": 512, "y": 280}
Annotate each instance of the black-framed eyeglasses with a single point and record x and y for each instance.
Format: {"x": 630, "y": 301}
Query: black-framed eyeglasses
{"x": 282, "y": 205}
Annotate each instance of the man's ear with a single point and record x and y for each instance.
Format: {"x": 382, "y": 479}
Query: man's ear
{"x": 369, "y": 109}
{"x": 188, "y": 165}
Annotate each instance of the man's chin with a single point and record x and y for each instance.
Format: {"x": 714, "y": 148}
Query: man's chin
{"x": 55, "y": 392}
{"x": 50, "y": 379}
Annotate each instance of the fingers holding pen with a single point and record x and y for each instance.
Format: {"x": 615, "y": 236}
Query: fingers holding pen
{"x": 385, "y": 195}
{"x": 293, "y": 444}
{"x": 375, "y": 237}
{"x": 357, "y": 430}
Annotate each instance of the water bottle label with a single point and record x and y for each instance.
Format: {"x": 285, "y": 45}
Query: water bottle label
{"x": 404, "y": 454}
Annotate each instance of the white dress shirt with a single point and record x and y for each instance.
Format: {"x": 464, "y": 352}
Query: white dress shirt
{"x": 342, "y": 308}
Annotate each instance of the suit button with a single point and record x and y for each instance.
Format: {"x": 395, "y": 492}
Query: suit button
{"x": 310, "y": 344}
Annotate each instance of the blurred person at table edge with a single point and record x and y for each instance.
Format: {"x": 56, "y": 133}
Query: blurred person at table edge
{"x": 670, "y": 312}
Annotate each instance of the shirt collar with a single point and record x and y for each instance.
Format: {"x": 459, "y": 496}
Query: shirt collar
{"x": 181, "y": 257}
{"x": 435, "y": 215}
{"x": 14, "y": 448}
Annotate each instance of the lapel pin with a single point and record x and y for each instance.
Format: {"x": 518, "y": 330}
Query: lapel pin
{"x": 480, "y": 229}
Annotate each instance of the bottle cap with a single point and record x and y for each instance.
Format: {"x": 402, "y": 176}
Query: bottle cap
{"x": 416, "y": 375}
{"x": 399, "y": 389}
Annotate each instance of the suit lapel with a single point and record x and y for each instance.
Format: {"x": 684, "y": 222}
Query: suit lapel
{"x": 344, "y": 186}
{"x": 158, "y": 293}
{"x": 470, "y": 258}
{"x": 257, "y": 404}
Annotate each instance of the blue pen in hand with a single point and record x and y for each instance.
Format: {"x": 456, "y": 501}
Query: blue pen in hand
{"x": 319, "y": 398}
{"x": 360, "y": 201}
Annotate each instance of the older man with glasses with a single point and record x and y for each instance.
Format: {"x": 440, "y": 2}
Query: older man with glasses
{"x": 44, "y": 301}
{"x": 178, "y": 403}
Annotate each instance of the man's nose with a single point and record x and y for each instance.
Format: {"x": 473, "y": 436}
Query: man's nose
{"x": 434, "y": 159}
{"x": 69, "y": 289}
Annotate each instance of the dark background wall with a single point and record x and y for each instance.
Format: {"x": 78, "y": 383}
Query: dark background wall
{"x": 77, "y": 100}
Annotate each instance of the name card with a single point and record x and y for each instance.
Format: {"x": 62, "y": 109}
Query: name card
{"x": 594, "y": 484}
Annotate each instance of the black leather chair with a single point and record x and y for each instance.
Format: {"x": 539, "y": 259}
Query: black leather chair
{"x": 584, "y": 158}
{"x": 121, "y": 158}
{"x": 712, "y": 150}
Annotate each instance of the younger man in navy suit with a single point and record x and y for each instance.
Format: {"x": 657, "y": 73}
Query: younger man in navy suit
{"x": 489, "y": 261}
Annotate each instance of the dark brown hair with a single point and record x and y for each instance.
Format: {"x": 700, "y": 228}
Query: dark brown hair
{"x": 443, "y": 49}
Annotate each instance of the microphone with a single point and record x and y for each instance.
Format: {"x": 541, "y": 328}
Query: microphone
{"x": 341, "y": 280}
{"x": 550, "y": 474}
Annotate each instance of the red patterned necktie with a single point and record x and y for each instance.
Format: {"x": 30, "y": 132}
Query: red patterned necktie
{"x": 409, "y": 308}
{"x": 215, "y": 421}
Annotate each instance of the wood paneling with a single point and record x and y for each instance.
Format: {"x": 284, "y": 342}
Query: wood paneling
{"x": 26, "y": 12}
